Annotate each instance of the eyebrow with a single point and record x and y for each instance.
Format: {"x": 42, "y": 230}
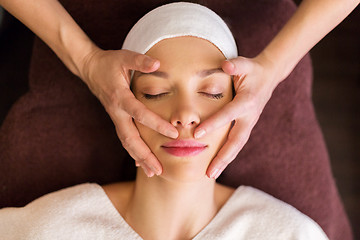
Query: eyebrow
{"x": 156, "y": 74}
{"x": 203, "y": 73}
{"x": 206, "y": 72}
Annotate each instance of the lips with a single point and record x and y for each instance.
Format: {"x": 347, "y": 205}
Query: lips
{"x": 184, "y": 148}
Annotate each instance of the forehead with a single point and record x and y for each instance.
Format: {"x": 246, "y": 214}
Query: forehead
{"x": 185, "y": 56}
{"x": 201, "y": 73}
{"x": 186, "y": 49}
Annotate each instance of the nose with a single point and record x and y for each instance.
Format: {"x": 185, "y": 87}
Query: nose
{"x": 185, "y": 115}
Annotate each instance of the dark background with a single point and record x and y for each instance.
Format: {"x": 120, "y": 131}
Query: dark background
{"x": 336, "y": 95}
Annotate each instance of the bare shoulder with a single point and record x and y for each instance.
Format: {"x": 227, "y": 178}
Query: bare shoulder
{"x": 223, "y": 193}
{"x": 119, "y": 194}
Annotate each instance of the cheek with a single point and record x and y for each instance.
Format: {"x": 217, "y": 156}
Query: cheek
{"x": 162, "y": 108}
{"x": 219, "y": 136}
{"x": 152, "y": 138}
{"x": 208, "y": 108}
{"x": 147, "y": 134}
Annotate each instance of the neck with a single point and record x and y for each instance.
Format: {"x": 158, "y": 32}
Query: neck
{"x": 163, "y": 209}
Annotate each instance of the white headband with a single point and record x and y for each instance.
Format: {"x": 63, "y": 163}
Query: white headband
{"x": 180, "y": 19}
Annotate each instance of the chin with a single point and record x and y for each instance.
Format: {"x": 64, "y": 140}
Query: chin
{"x": 183, "y": 176}
{"x": 185, "y": 169}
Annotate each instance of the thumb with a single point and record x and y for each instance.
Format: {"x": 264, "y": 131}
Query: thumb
{"x": 139, "y": 62}
{"x": 238, "y": 66}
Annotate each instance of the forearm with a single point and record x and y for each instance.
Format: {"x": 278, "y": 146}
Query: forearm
{"x": 53, "y": 24}
{"x": 310, "y": 23}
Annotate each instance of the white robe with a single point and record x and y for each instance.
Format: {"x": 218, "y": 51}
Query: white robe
{"x": 85, "y": 212}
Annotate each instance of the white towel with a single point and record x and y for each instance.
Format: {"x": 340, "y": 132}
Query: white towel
{"x": 180, "y": 19}
{"x": 84, "y": 212}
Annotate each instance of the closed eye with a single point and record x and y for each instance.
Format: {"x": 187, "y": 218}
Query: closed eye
{"x": 212, "y": 95}
{"x": 154, "y": 96}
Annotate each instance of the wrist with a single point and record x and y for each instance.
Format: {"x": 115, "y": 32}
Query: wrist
{"x": 76, "y": 50}
{"x": 82, "y": 58}
{"x": 87, "y": 63}
{"x": 273, "y": 70}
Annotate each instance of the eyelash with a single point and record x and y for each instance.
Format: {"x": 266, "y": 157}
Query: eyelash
{"x": 214, "y": 96}
{"x": 157, "y": 96}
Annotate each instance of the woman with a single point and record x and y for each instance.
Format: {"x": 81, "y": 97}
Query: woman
{"x": 50, "y": 138}
{"x": 181, "y": 203}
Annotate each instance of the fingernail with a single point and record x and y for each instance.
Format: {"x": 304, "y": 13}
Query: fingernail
{"x": 149, "y": 173}
{"x": 215, "y": 173}
{"x": 231, "y": 64}
{"x": 149, "y": 62}
{"x": 218, "y": 174}
{"x": 147, "y": 170}
{"x": 156, "y": 170}
{"x": 137, "y": 164}
{"x": 200, "y": 133}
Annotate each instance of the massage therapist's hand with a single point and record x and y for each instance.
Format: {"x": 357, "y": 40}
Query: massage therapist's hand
{"x": 107, "y": 75}
{"x": 254, "y": 82}
{"x": 255, "y": 79}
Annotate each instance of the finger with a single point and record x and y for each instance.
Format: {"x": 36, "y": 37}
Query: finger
{"x": 136, "y": 147}
{"x": 139, "y": 62}
{"x": 147, "y": 170}
{"x": 142, "y": 114}
{"x": 237, "y": 138}
{"x": 227, "y": 114}
{"x": 238, "y": 66}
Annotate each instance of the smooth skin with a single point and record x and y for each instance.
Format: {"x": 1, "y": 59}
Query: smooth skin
{"x": 188, "y": 88}
{"x": 256, "y": 78}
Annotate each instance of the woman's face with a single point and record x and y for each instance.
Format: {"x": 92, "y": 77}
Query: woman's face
{"x": 188, "y": 88}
